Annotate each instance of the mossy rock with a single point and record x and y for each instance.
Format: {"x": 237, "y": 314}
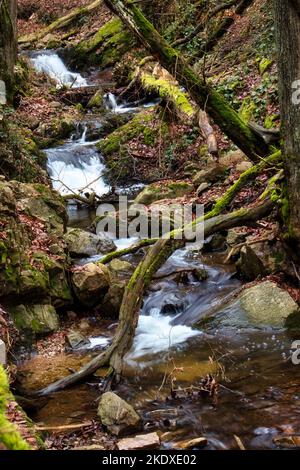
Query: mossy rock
{"x": 38, "y": 319}
{"x": 154, "y": 192}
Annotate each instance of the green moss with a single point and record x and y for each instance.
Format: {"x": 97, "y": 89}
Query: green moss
{"x": 114, "y": 141}
{"x": 169, "y": 92}
{"x": 264, "y": 65}
{"x": 247, "y": 110}
{"x": 9, "y": 435}
{"x": 106, "y": 47}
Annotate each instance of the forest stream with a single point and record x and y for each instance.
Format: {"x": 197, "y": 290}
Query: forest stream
{"x": 258, "y": 394}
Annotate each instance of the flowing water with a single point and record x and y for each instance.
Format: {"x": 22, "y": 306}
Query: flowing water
{"x": 259, "y": 395}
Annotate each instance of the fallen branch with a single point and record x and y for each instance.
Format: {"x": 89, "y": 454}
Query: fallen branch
{"x": 127, "y": 251}
{"x": 66, "y": 427}
{"x": 74, "y": 15}
{"x": 208, "y": 133}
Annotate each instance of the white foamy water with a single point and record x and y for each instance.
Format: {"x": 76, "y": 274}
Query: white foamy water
{"x": 51, "y": 64}
{"x": 98, "y": 341}
{"x": 76, "y": 167}
{"x": 111, "y": 103}
{"x": 155, "y": 334}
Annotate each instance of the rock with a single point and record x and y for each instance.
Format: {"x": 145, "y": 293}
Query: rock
{"x": 38, "y": 319}
{"x": 216, "y": 242}
{"x": 154, "y": 192}
{"x": 2, "y": 353}
{"x": 90, "y": 447}
{"x": 233, "y": 158}
{"x": 140, "y": 442}
{"x": 210, "y": 174}
{"x": 266, "y": 304}
{"x": 96, "y": 101}
{"x": 81, "y": 243}
{"x": 112, "y": 301}
{"x": 244, "y": 166}
{"x": 234, "y": 237}
{"x": 119, "y": 267}
{"x": 191, "y": 443}
{"x": 287, "y": 442}
{"x": 76, "y": 340}
{"x": 202, "y": 188}
{"x": 91, "y": 283}
{"x": 261, "y": 259}
{"x": 117, "y": 415}
{"x": 263, "y": 305}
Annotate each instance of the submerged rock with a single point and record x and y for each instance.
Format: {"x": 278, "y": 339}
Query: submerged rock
{"x": 37, "y": 319}
{"x": 81, "y": 243}
{"x": 140, "y": 442}
{"x": 117, "y": 415}
{"x": 91, "y": 283}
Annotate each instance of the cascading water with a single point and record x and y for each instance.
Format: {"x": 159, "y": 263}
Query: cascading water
{"x": 50, "y": 63}
{"x": 112, "y": 104}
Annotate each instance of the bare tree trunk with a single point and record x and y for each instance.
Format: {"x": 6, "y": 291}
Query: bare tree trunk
{"x": 288, "y": 35}
{"x": 8, "y": 44}
{"x": 204, "y": 95}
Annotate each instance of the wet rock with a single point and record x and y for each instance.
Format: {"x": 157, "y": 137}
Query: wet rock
{"x": 76, "y": 340}
{"x": 267, "y": 304}
{"x": 250, "y": 265}
{"x": 91, "y": 283}
{"x": 113, "y": 299}
{"x": 140, "y": 442}
{"x": 81, "y": 243}
{"x": 287, "y": 442}
{"x": 2, "y": 352}
{"x": 155, "y": 192}
{"x": 119, "y": 267}
{"x": 212, "y": 173}
{"x": 216, "y": 242}
{"x": 37, "y": 319}
{"x": 191, "y": 443}
{"x": 117, "y": 415}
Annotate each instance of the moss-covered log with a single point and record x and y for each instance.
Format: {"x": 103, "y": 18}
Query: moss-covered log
{"x": 67, "y": 20}
{"x": 203, "y": 94}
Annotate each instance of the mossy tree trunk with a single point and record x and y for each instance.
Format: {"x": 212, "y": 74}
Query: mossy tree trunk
{"x": 204, "y": 95}
{"x": 8, "y": 44}
{"x": 288, "y": 29}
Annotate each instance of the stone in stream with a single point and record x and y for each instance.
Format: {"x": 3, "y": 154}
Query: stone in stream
{"x": 117, "y": 415}
{"x": 110, "y": 307}
{"x": 263, "y": 305}
{"x": 91, "y": 283}
{"x": 140, "y": 442}
{"x": 119, "y": 267}
{"x": 81, "y": 243}
{"x": 76, "y": 340}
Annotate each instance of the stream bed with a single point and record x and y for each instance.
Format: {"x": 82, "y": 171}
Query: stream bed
{"x": 259, "y": 395}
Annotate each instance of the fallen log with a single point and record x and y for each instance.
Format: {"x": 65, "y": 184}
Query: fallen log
{"x": 204, "y": 95}
{"x": 62, "y": 22}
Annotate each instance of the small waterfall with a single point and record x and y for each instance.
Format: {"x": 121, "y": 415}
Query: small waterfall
{"x": 51, "y": 64}
{"x": 83, "y": 137}
{"x": 112, "y": 104}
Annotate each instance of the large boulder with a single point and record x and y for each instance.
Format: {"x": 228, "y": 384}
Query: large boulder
{"x": 91, "y": 283}
{"x": 156, "y": 192}
{"x": 81, "y": 243}
{"x": 261, "y": 306}
{"x": 36, "y": 319}
{"x": 118, "y": 416}
{"x": 266, "y": 304}
{"x": 110, "y": 307}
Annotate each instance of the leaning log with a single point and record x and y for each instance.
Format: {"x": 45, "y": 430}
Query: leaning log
{"x": 203, "y": 94}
